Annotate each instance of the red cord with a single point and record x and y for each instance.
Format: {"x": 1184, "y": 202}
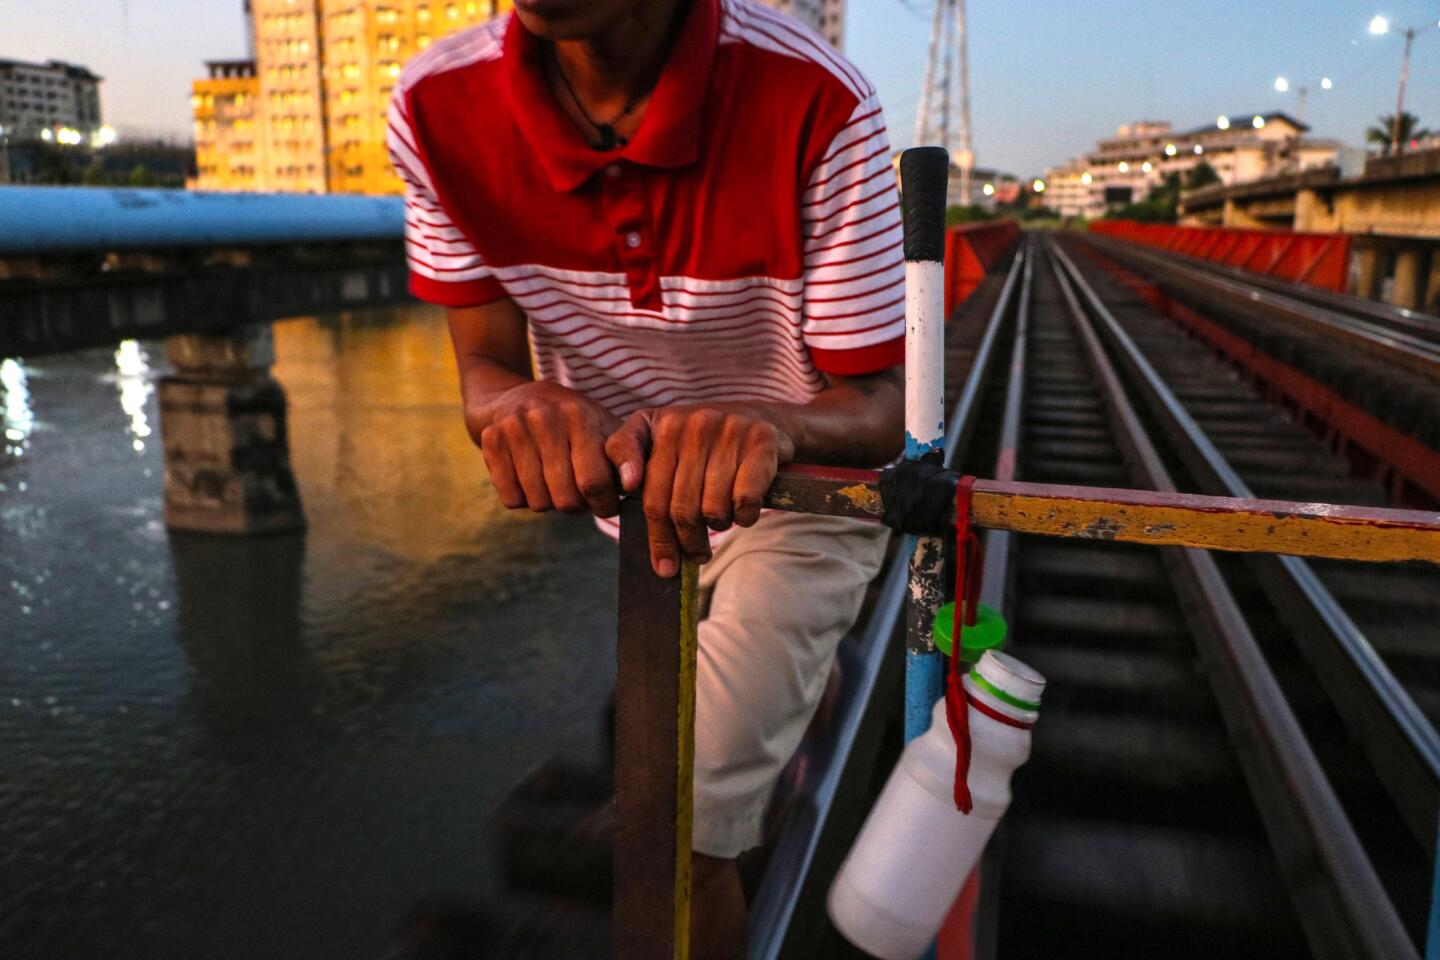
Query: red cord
{"x": 969, "y": 574}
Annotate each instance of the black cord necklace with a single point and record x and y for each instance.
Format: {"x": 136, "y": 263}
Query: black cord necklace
{"x": 604, "y": 132}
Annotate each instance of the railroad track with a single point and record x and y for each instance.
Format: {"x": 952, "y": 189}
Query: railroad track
{"x": 1400, "y": 338}
{"x": 1423, "y": 326}
{"x": 1138, "y": 827}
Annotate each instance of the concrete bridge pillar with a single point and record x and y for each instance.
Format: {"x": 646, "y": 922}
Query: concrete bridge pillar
{"x": 1366, "y": 272}
{"x": 1409, "y": 270}
{"x": 1432, "y": 289}
{"x": 222, "y": 422}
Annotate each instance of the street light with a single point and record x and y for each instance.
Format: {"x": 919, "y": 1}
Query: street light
{"x": 1223, "y": 123}
{"x": 1302, "y": 93}
{"x": 1380, "y": 26}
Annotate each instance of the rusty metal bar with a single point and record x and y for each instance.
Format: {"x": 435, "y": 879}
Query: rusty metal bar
{"x": 654, "y": 751}
{"x": 1144, "y": 516}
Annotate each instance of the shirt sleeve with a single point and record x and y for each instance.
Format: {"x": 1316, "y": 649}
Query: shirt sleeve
{"x": 445, "y": 268}
{"x": 854, "y": 313}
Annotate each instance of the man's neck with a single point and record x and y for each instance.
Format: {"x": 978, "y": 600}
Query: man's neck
{"x": 620, "y": 64}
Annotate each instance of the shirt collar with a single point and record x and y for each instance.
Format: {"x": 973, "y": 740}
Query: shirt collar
{"x": 669, "y": 134}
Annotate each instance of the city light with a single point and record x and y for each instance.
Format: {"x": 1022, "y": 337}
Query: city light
{"x": 68, "y": 137}
{"x": 1379, "y": 26}
{"x": 988, "y": 189}
{"x": 1124, "y": 167}
{"x": 1223, "y": 123}
{"x": 104, "y": 137}
{"x": 1039, "y": 186}
{"x": 1325, "y": 83}
{"x": 1171, "y": 150}
{"x": 1258, "y": 123}
{"x": 1199, "y": 150}
{"x": 1086, "y": 179}
{"x": 47, "y": 135}
{"x": 1147, "y": 166}
{"x": 1281, "y": 84}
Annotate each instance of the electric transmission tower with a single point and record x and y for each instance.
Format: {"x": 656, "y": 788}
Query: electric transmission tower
{"x": 943, "y": 118}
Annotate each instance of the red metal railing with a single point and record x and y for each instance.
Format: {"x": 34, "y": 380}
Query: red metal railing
{"x": 971, "y": 251}
{"x": 1317, "y": 259}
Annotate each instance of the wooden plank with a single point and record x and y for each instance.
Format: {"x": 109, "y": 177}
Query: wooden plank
{"x": 654, "y": 751}
{"x": 1145, "y": 516}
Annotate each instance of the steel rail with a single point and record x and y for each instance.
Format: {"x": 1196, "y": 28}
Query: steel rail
{"x": 1403, "y": 350}
{"x": 966, "y": 413}
{"x": 1385, "y": 721}
{"x": 1422, "y": 325}
{"x": 811, "y": 848}
{"x": 995, "y": 592}
{"x": 1341, "y": 903}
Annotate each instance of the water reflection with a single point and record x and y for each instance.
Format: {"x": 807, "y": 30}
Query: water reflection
{"x": 19, "y": 419}
{"x": 132, "y": 377}
{"x": 239, "y": 625}
{"x": 274, "y": 747}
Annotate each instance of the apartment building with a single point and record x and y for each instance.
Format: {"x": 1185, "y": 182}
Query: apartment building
{"x": 1125, "y": 168}
{"x": 40, "y": 99}
{"x": 230, "y": 149}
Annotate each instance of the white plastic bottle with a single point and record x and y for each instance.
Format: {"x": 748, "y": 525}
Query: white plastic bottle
{"x": 916, "y": 850}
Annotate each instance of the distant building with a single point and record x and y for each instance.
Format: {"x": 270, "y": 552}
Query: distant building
{"x": 229, "y": 145}
{"x": 1126, "y": 168}
{"x": 825, "y": 17}
{"x": 987, "y": 188}
{"x": 44, "y": 100}
{"x": 308, "y": 113}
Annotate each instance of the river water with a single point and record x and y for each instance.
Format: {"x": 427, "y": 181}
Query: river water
{"x": 271, "y": 748}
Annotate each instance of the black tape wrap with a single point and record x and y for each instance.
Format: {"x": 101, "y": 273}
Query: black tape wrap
{"x": 919, "y": 496}
{"x": 924, "y": 180}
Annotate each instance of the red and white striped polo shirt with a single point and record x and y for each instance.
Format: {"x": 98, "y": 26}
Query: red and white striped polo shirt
{"x": 745, "y": 241}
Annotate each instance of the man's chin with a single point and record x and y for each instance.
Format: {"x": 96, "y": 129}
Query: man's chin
{"x": 561, "y": 19}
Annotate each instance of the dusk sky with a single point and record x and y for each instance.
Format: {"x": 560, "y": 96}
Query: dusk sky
{"x": 1048, "y": 77}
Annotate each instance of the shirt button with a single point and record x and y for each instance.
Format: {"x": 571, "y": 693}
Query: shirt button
{"x": 612, "y": 171}
{"x": 632, "y": 239}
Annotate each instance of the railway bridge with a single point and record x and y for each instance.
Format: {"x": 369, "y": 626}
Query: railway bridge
{"x": 1236, "y": 749}
{"x": 1391, "y": 213}
{"x": 208, "y": 272}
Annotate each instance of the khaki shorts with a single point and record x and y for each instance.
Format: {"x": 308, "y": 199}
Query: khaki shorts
{"x": 778, "y": 596}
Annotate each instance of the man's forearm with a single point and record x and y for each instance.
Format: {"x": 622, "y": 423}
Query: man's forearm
{"x": 857, "y": 421}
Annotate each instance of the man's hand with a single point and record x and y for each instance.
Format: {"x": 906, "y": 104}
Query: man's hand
{"x": 545, "y": 447}
{"x": 703, "y": 468}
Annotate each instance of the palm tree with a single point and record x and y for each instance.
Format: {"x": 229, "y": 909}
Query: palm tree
{"x": 1383, "y": 134}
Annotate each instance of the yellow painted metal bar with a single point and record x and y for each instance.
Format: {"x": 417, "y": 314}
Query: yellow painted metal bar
{"x": 1146, "y": 516}
{"x": 685, "y": 754}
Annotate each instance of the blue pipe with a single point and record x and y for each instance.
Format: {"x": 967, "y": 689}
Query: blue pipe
{"x": 38, "y": 220}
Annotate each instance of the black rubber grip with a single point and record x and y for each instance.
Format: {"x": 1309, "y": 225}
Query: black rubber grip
{"x": 924, "y": 180}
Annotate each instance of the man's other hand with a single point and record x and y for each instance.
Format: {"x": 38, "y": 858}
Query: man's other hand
{"x": 702, "y": 468}
{"x": 545, "y": 447}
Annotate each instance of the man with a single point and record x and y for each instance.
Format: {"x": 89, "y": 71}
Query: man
{"x": 689, "y": 206}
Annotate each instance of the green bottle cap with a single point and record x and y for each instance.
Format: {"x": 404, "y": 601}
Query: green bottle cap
{"x": 988, "y": 632}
